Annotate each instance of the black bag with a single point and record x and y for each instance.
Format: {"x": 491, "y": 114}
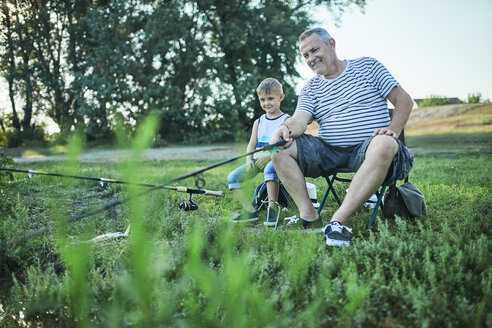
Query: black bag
{"x": 405, "y": 200}
{"x": 261, "y": 196}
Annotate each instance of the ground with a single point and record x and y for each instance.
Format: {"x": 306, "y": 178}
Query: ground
{"x": 165, "y": 153}
{"x": 448, "y": 118}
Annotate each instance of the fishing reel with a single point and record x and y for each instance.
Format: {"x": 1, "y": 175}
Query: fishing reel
{"x": 188, "y": 205}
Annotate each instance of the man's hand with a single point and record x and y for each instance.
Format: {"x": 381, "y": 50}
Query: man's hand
{"x": 282, "y": 132}
{"x": 262, "y": 161}
{"x": 385, "y": 131}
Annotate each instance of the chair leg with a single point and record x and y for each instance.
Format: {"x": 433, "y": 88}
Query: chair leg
{"x": 380, "y": 195}
{"x": 323, "y": 201}
{"x": 330, "y": 186}
{"x": 327, "y": 192}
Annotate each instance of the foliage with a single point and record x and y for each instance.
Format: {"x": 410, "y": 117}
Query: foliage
{"x": 434, "y": 101}
{"x": 198, "y": 62}
{"x": 181, "y": 269}
{"x": 5, "y": 161}
{"x": 474, "y": 98}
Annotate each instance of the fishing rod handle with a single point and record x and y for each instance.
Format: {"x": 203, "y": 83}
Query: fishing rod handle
{"x": 274, "y": 145}
{"x": 219, "y": 193}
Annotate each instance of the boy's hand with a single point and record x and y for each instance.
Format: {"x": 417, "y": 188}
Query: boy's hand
{"x": 262, "y": 161}
{"x": 250, "y": 166}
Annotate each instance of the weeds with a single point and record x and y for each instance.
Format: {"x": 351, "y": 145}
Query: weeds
{"x": 181, "y": 269}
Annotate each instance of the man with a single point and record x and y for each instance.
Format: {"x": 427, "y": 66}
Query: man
{"x": 348, "y": 100}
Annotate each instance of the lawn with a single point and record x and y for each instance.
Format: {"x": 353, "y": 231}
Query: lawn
{"x": 183, "y": 269}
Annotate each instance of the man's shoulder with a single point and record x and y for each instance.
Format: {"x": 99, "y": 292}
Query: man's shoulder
{"x": 313, "y": 82}
{"x": 363, "y": 61}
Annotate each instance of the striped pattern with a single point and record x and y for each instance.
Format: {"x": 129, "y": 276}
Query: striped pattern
{"x": 350, "y": 107}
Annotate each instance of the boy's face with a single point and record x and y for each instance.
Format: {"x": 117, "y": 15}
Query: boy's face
{"x": 270, "y": 102}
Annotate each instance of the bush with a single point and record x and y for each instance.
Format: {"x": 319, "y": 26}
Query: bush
{"x": 435, "y": 101}
{"x": 474, "y": 98}
{"x": 4, "y": 142}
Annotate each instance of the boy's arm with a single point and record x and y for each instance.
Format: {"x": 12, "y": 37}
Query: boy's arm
{"x": 253, "y": 141}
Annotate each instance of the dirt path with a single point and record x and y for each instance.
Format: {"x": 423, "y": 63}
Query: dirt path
{"x": 213, "y": 152}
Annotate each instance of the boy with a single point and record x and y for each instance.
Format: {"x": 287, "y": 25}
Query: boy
{"x": 270, "y": 94}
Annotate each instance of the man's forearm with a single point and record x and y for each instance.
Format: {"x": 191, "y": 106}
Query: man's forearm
{"x": 403, "y": 107}
{"x": 295, "y": 127}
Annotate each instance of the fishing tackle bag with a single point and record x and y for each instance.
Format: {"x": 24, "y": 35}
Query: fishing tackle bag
{"x": 261, "y": 196}
{"x": 405, "y": 200}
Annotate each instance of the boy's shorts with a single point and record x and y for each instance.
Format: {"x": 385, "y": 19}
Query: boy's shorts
{"x": 317, "y": 158}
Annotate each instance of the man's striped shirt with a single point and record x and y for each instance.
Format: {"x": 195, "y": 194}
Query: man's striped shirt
{"x": 351, "y": 106}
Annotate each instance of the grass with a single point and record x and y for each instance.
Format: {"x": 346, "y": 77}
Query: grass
{"x": 472, "y": 118}
{"x": 182, "y": 269}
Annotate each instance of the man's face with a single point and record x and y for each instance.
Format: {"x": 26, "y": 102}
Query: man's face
{"x": 319, "y": 56}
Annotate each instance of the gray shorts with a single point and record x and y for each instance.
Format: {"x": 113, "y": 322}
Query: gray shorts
{"x": 317, "y": 158}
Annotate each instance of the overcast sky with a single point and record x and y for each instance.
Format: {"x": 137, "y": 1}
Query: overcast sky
{"x": 432, "y": 47}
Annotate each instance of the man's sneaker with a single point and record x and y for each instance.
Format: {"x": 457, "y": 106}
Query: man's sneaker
{"x": 272, "y": 217}
{"x": 295, "y": 223}
{"x": 246, "y": 217}
{"x": 337, "y": 234}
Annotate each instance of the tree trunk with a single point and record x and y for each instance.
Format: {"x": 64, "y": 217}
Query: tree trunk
{"x": 28, "y": 89}
{"x": 10, "y": 76}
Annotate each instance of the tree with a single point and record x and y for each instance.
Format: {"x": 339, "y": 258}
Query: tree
{"x": 8, "y": 56}
{"x": 474, "y": 98}
{"x": 197, "y": 62}
{"x": 434, "y": 101}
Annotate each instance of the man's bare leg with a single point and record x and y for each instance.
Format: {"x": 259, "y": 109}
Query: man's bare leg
{"x": 369, "y": 177}
{"x": 292, "y": 178}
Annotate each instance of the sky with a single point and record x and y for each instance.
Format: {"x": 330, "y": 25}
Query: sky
{"x": 431, "y": 47}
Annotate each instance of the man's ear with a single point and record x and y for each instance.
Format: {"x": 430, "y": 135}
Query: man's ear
{"x": 332, "y": 43}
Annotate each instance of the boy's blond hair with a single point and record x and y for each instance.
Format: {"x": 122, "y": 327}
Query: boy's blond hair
{"x": 270, "y": 85}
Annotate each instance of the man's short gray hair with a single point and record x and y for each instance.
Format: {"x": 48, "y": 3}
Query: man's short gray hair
{"x": 321, "y": 32}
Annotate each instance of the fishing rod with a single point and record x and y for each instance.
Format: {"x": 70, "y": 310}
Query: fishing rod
{"x": 270, "y": 147}
{"x": 73, "y": 219}
{"x": 22, "y": 239}
{"x": 106, "y": 180}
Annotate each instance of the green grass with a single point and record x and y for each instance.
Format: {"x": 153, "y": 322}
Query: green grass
{"x": 182, "y": 269}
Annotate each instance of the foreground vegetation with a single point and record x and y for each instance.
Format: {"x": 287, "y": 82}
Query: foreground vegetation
{"x": 180, "y": 268}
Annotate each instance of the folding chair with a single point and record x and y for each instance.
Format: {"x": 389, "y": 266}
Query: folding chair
{"x": 332, "y": 176}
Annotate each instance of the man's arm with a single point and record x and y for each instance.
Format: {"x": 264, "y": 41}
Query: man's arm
{"x": 292, "y": 128}
{"x": 403, "y": 106}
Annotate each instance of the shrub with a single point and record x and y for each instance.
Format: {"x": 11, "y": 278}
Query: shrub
{"x": 474, "y": 98}
{"x": 434, "y": 101}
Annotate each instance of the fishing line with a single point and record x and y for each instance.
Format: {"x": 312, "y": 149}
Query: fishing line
{"x": 24, "y": 238}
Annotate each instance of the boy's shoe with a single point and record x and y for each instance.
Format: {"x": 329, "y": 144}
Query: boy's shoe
{"x": 271, "y": 218}
{"x": 337, "y": 234}
{"x": 295, "y": 223}
{"x": 246, "y": 217}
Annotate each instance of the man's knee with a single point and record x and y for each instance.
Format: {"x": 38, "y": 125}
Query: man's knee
{"x": 383, "y": 148}
{"x": 279, "y": 157}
